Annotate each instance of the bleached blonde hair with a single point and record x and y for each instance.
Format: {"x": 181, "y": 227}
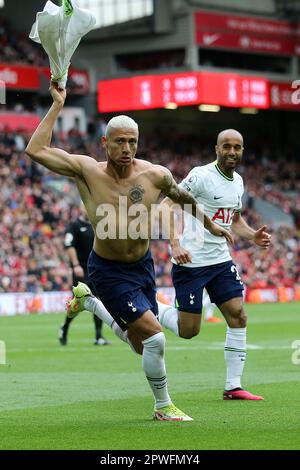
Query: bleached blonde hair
{"x": 121, "y": 122}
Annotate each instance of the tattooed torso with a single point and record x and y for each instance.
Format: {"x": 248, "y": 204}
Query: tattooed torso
{"x": 121, "y": 203}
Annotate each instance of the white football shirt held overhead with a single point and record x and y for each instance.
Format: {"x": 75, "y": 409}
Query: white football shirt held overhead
{"x": 59, "y": 30}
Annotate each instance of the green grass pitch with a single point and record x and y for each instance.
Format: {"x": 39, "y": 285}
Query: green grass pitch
{"x": 86, "y": 397}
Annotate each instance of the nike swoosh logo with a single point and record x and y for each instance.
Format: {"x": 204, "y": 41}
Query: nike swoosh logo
{"x": 215, "y": 198}
{"x": 209, "y": 39}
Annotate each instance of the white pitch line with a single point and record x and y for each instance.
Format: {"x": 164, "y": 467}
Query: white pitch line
{"x": 188, "y": 347}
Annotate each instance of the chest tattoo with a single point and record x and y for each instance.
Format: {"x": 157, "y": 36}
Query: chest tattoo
{"x": 136, "y": 194}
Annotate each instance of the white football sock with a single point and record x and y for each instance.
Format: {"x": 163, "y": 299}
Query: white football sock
{"x": 94, "y": 305}
{"x": 208, "y": 306}
{"x": 205, "y": 299}
{"x": 209, "y": 311}
{"x": 168, "y": 317}
{"x": 155, "y": 369}
{"x": 235, "y": 356}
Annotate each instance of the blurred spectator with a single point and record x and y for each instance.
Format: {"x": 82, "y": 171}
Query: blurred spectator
{"x": 16, "y": 47}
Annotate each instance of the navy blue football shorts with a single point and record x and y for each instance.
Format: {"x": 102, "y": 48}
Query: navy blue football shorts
{"x": 222, "y": 282}
{"x": 126, "y": 289}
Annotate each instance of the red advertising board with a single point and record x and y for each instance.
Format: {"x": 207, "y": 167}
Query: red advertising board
{"x": 81, "y": 81}
{"x": 157, "y": 91}
{"x": 20, "y": 77}
{"x": 249, "y": 43}
{"x": 272, "y": 294}
{"x": 14, "y": 121}
{"x": 234, "y": 90}
{"x": 78, "y": 80}
{"x": 246, "y": 24}
{"x": 285, "y": 96}
{"x": 29, "y": 78}
{"x": 252, "y": 34}
{"x": 148, "y": 92}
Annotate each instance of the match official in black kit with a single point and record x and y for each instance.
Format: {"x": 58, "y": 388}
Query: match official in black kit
{"x": 79, "y": 239}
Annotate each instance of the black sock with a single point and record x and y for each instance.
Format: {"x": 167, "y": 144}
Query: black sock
{"x": 66, "y": 325}
{"x": 98, "y": 327}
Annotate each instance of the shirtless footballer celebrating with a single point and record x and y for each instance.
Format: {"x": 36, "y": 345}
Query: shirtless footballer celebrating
{"x": 120, "y": 268}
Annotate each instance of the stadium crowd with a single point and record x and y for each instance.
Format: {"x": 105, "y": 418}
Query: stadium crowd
{"x": 36, "y": 206}
{"x": 17, "y": 48}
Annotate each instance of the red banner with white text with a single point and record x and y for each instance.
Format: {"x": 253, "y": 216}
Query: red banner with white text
{"x": 248, "y": 34}
{"x": 183, "y": 89}
{"x": 78, "y": 80}
{"x": 26, "y": 77}
{"x": 285, "y": 95}
{"x": 20, "y": 77}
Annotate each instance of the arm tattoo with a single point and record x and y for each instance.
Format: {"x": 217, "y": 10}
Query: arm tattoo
{"x": 171, "y": 188}
{"x": 177, "y": 194}
{"x": 183, "y": 198}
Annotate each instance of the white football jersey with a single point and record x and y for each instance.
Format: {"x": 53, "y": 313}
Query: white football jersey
{"x": 220, "y": 197}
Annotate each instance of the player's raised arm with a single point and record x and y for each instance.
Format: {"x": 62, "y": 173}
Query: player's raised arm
{"x": 39, "y": 150}
{"x": 170, "y": 188}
